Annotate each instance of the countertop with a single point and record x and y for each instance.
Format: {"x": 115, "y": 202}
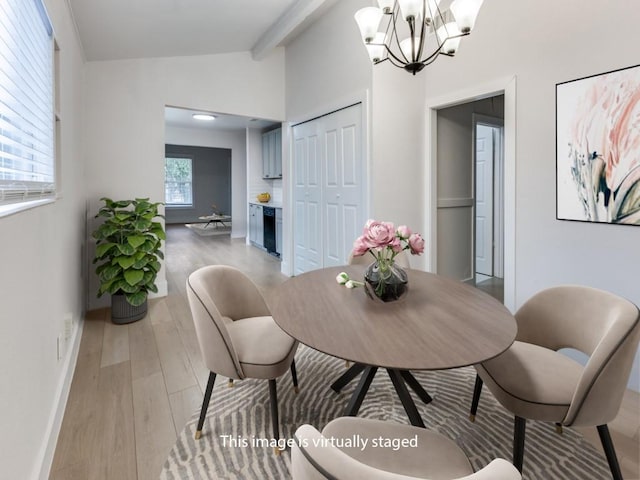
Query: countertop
{"x": 268, "y": 204}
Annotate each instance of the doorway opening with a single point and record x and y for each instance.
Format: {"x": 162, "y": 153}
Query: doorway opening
{"x": 470, "y": 193}
{"x": 488, "y": 163}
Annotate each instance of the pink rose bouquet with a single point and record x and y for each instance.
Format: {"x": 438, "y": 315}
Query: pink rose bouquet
{"x": 384, "y": 241}
{"x": 383, "y": 279}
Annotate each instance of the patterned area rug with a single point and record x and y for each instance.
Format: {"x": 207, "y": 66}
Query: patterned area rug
{"x": 237, "y": 428}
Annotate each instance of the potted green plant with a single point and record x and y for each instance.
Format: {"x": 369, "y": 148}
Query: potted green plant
{"x": 127, "y": 254}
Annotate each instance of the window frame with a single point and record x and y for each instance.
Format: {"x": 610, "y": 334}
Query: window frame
{"x": 177, "y": 156}
{"x": 19, "y": 194}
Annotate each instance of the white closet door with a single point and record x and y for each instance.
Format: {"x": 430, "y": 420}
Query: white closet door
{"x": 343, "y": 184}
{"x": 329, "y": 190}
{"x": 307, "y": 197}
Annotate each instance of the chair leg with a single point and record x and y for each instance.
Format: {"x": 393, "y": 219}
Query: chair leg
{"x": 273, "y": 395}
{"x": 477, "y": 389}
{"x": 294, "y": 376}
{"x": 518, "y": 442}
{"x": 610, "y": 452}
{"x": 205, "y": 403}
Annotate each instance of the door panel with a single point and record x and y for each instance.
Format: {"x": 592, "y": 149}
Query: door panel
{"x": 300, "y": 145}
{"x": 332, "y": 170}
{"x": 346, "y": 193}
{"x": 306, "y": 198}
{"x": 314, "y": 235}
{"x": 352, "y": 224}
{"x": 484, "y": 200}
{"x": 351, "y": 168}
{"x": 332, "y": 247}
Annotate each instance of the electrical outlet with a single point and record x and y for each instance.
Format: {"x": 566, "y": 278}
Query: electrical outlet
{"x": 68, "y": 325}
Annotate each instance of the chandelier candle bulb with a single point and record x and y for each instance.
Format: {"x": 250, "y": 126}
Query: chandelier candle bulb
{"x": 376, "y": 48}
{"x": 368, "y": 20}
{"x": 407, "y": 51}
{"x": 449, "y": 35}
{"x": 465, "y": 12}
{"x": 386, "y": 5}
{"x": 411, "y": 9}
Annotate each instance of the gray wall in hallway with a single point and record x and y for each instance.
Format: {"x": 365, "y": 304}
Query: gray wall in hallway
{"x": 211, "y": 182}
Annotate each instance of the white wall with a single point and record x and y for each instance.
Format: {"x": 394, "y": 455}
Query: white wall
{"x": 327, "y": 63}
{"x": 41, "y": 283}
{"x": 562, "y": 47}
{"x": 234, "y": 140}
{"x": 397, "y": 172}
{"x": 124, "y": 108}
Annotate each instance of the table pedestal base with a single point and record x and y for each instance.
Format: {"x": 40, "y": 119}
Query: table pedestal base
{"x": 398, "y": 378}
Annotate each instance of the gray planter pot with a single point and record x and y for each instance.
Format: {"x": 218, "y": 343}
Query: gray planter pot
{"x": 123, "y": 312}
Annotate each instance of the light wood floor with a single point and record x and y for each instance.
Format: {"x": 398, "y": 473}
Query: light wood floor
{"x": 136, "y": 385}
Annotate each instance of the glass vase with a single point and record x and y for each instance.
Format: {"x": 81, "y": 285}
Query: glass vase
{"x": 386, "y": 281}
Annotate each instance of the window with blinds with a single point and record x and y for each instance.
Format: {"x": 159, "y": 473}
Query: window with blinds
{"x": 27, "y": 118}
{"x": 178, "y": 183}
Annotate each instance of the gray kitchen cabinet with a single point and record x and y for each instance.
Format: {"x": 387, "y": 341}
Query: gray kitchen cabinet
{"x": 256, "y": 225}
{"x": 272, "y": 154}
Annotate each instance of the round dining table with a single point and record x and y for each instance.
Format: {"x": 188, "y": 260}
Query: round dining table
{"x": 439, "y": 324}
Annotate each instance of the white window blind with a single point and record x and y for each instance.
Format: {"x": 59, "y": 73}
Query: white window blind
{"x": 27, "y": 122}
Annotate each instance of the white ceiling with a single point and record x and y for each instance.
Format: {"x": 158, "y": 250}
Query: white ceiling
{"x": 181, "y": 117}
{"x": 121, "y": 29}
{"x": 118, "y": 29}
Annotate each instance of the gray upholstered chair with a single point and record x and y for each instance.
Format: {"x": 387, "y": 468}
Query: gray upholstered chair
{"x": 429, "y": 456}
{"x": 402, "y": 259}
{"x": 534, "y": 381}
{"x": 238, "y": 338}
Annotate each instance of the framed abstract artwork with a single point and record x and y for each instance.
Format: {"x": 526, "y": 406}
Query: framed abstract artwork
{"x": 598, "y": 148}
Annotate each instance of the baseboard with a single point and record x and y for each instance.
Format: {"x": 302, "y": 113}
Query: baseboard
{"x": 163, "y": 290}
{"x": 285, "y": 268}
{"x": 45, "y": 458}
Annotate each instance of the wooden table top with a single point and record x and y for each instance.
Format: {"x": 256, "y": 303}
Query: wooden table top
{"x": 440, "y": 323}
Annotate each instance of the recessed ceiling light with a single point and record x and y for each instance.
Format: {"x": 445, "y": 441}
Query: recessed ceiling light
{"x": 204, "y": 116}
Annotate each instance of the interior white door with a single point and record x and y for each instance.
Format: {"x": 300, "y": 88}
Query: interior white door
{"x": 484, "y": 199}
{"x": 307, "y": 197}
{"x": 343, "y": 189}
{"x": 328, "y": 188}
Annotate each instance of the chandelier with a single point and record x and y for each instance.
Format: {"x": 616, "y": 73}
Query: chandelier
{"x": 427, "y": 30}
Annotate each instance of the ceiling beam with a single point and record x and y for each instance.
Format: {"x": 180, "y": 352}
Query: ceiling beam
{"x": 283, "y": 27}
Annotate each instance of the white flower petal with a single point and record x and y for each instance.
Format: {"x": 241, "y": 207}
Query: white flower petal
{"x": 342, "y": 278}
